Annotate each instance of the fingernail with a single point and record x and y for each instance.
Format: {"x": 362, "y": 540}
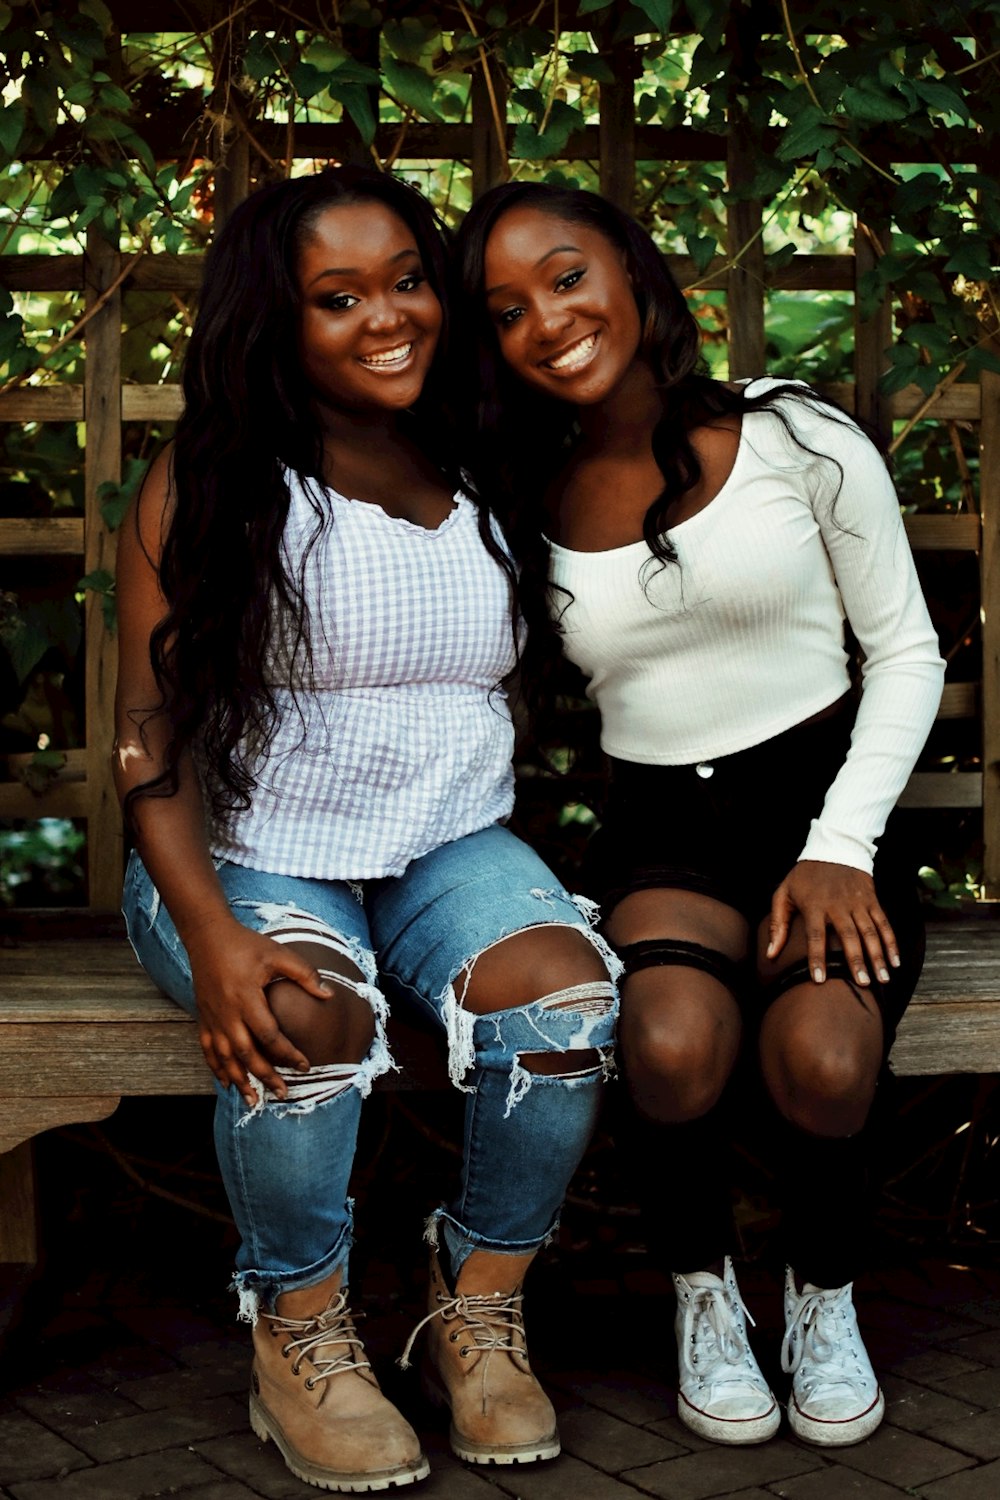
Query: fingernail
{"x": 883, "y": 975}
{"x": 895, "y": 960}
{"x": 770, "y": 950}
{"x": 818, "y": 975}
{"x": 326, "y": 989}
{"x": 302, "y": 1067}
{"x": 863, "y": 977}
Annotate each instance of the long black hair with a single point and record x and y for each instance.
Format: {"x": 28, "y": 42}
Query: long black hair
{"x": 519, "y": 437}
{"x": 248, "y": 420}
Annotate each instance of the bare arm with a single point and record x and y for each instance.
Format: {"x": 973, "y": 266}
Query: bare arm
{"x": 231, "y": 965}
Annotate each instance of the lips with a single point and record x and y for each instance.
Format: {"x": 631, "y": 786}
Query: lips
{"x": 388, "y": 359}
{"x": 574, "y": 357}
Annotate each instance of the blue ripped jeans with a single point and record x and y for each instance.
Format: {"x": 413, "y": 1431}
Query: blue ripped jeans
{"x": 286, "y": 1165}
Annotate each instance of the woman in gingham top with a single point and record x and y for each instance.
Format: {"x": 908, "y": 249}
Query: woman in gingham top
{"x": 704, "y": 546}
{"x": 314, "y": 757}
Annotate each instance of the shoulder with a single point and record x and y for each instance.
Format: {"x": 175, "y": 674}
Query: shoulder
{"x": 153, "y": 508}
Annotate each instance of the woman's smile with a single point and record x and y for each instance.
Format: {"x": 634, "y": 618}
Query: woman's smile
{"x": 562, "y": 304}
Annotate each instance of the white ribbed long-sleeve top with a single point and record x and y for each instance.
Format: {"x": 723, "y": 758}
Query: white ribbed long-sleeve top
{"x": 744, "y": 637}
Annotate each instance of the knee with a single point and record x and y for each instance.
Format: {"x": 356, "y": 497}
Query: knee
{"x": 672, "y": 1076}
{"x": 825, "y": 1091}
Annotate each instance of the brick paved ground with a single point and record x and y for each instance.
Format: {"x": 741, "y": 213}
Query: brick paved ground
{"x": 126, "y": 1376}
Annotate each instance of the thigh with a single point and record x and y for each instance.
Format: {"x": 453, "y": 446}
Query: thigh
{"x": 266, "y": 902}
{"x": 684, "y": 983}
{"x": 452, "y": 912}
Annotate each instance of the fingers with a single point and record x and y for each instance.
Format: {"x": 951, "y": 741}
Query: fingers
{"x": 290, "y": 965}
{"x": 781, "y": 911}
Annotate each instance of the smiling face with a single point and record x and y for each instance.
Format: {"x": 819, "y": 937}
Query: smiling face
{"x": 370, "y": 320}
{"x": 562, "y": 304}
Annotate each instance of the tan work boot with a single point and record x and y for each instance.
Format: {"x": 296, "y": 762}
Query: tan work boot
{"x": 314, "y": 1393}
{"x": 477, "y": 1363}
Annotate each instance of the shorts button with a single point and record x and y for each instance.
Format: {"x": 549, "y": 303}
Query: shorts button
{"x": 704, "y": 771}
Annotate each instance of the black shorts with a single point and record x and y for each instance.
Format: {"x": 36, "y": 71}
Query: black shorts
{"x": 734, "y": 834}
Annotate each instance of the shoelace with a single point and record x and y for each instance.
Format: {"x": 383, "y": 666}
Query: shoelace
{"x": 490, "y": 1323}
{"x": 821, "y": 1331}
{"x": 712, "y": 1314}
{"x": 334, "y": 1326}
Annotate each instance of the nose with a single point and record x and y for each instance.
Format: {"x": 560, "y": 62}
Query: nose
{"x": 551, "y": 321}
{"x": 384, "y": 315}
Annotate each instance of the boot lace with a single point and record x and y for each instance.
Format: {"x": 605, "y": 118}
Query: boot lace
{"x": 820, "y": 1342}
{"x": 307, "y": 1336}
{"x": 485, "y": 1323}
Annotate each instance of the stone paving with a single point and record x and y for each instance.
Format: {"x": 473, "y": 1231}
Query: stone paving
{"x": 112, "y": 1398}
{"x": 126, "y": 1375}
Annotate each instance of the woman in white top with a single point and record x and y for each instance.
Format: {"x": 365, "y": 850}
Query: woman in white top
{"x": 702, "y": 547}
{"x": 314, "y": 756}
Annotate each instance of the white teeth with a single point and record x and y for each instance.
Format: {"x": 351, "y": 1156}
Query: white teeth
{"x": 388, "y": 356}
{"x": 577, "y": 354}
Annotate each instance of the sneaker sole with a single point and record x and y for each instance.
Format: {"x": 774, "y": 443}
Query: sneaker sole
{"x": 328, "y": 1479}
{"x": 736, "y": 1431}
{"x": 836, "y": 1434}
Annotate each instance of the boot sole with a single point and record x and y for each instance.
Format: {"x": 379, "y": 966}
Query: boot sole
{"x": 266, "y": 1428}
{"x": 488, "y": 1453}
{"x": 836, "y": 1434}
{"x": 735, "y": 1432}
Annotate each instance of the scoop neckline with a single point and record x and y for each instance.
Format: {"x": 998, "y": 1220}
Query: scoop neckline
{"x": 626, "y": 547}
{"x": 459, "y": 498}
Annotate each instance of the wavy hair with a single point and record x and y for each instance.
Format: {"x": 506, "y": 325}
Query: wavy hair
{"x": 519, "y": 437}
{"x": 248, "y": 420}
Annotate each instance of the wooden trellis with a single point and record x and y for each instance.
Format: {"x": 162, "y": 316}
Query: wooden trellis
{"x": 83, "y": 789}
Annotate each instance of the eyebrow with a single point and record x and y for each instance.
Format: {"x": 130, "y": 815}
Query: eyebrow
{"x": 556, "y": 250}
{"x": 411, "y": 251}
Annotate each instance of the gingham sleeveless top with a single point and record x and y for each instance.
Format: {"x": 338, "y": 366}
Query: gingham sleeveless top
{"x": 401, "y": 740}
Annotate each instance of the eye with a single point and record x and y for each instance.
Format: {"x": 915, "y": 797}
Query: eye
{"x": 569, "y": 280}
{"x": 508, "y": 317}
{"x": 339, "y": 301}
{"x": 411, "y": 282}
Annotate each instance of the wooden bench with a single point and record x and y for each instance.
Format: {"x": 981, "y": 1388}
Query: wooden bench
{"x": 81, "y": 1027}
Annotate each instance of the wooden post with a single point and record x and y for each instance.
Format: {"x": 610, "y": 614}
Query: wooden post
{"x": 102, "y": 462}
{"x": 230, "y": 145}
{"x": 990, "y": 605}
{"x": 617, "y": 128}
{"x": 873, "y": 336}
{"x": 745, "y": 282}
{"x": 19, "y": 1220}
{"x": 489, "y": 124}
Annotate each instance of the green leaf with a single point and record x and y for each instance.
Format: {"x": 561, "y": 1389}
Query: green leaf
{"x": 357, "y": 103}
{"x": 660, "y": 12}
{"x": 307, "y": 81}
{"x": 702, "y": 251}
{"x": 534, "y": 145}
{"x": 24, "y": 642}
{"x": 807, "y": 132}
{"x": 12, "y": 121}
{"x": 971, "y": 259}
{"x": 867, "y": 102}
{"x": 710, "y": 19}
{"x": 587, "y": 7}
{"x": 589, "y": 65}
{"x": 115, "y": 98}
{"x": 412, "y": 86}
{"x": 409, "y": 38}
{"x": 941, "y": 97}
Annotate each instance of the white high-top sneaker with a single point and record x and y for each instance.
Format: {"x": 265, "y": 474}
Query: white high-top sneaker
{"x": 835, "y": 1398}
{"x": 723, "y": 1395}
